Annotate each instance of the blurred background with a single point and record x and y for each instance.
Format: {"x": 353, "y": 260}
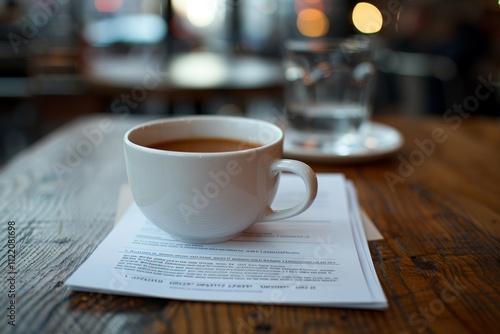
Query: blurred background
{"x": 61, "y": 59}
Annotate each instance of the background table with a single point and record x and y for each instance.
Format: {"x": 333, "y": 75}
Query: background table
{"x": 194, "y": 76}
{"x": 438, "y": 264}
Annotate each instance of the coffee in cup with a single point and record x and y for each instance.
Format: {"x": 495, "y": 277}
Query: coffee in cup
{"x": 204, "y": 145}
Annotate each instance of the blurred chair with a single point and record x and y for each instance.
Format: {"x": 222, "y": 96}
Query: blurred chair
{"x": 419, "y": 82}
{"x": 434, "y": 53}
{"x": 17, "y": 115}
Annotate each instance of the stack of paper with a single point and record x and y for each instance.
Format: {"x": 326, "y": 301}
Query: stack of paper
{"x": 319, "y": 257}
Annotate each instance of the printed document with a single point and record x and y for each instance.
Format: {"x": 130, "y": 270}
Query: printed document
{"x": 318, "y": 258}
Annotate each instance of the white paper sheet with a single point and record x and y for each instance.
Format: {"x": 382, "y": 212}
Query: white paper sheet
{"x": 319, "y": 257}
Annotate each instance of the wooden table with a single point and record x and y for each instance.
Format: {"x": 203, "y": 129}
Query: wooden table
{"x": 438, "y": 263}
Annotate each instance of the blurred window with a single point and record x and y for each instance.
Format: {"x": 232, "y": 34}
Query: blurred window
{"x": 108, "y": 22}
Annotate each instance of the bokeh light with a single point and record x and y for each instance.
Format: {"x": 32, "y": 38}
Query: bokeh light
{"x": 367, "y": 18}
{"x": 312, "y": 22}
{"x": 180, "y": 7}
{"x": 201, "y": 12}
{"x": 108, "y": 6}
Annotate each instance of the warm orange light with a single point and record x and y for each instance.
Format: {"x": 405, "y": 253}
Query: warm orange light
{"x": 367, "y": 18}
{"x": 108, "y": 6}
{"x": 312, "y": 23}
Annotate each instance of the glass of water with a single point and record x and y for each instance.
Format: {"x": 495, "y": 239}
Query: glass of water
{"x": 328, "y": 91}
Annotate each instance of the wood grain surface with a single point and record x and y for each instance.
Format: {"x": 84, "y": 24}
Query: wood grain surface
{"x": 438, "y": 264}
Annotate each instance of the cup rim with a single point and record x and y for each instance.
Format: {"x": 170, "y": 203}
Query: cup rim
{"x": 200, "y": 118}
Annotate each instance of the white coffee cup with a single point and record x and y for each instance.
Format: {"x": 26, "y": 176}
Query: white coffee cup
{"x": 213, "y": 196}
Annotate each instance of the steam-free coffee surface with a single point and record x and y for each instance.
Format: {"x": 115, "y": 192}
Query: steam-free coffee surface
{"x": 203, "y": 145}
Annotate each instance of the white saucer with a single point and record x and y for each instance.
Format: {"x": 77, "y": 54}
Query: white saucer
{"x": 380, "y": 141}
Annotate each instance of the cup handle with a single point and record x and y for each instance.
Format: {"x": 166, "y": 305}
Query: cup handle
{"x": 307, "y": 175}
